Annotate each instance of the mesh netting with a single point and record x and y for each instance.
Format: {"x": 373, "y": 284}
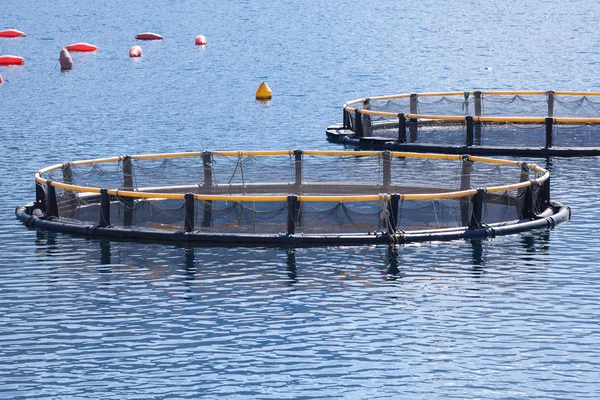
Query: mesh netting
{"x": 552, "y": 119}
{"x": 293, "y": 192}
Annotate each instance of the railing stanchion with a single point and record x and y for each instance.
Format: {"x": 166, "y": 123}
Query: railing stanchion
{"x": 477, "y": 213}
{"x": 387, "y": 169}
{"x": 469, "y": 123}
{"x": 40, "y": 197}
{"x": 345, "y": 122}
{"x": 128, "y": 202}
{"x": 393, "y": 213}
{"x": 549, "y": 122}
{"x": 401, "y": 128}
{"x": 550, "y": 96}
{"x": 528, "y": 210}
{"x": 51, "y": 204}
{"x": 465, "y": 184}
{"x": 293, "y": 206}
{"x": 477, "y": 103}
{"x": 190, "y": 212}
{"x": 414, "y": 109}
{"x": 208, "y": 170}
{"x": 298, "y": 168}
{"x": 104, "y": 209}
{"x": 358, "y": 126}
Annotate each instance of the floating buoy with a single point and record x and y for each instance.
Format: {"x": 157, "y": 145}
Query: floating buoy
{"x": 81, "y": 47}
{"x": 11, "y": 33}
{"x": 11, "y": 60}
{"x": 135, "y": 51}
{"x": 264, "y": 92}
{"x": 0, "y": 79}
{"x": 66, "y": 62}
{"x": 200, "y": 40}
{"x": 148, "y": 36}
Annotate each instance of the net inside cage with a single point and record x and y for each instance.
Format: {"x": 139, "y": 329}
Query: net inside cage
{"x": 297, "y": 193}
{"x": 568, "y": 121}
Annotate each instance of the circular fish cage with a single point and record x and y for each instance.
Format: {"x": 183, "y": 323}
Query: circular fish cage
{"x": 293, "y": 197}
{"x": 515, "y": 123}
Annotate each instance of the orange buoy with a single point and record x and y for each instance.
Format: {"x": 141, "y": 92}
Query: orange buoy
{"x": 11, "y": 60}
{"x": 11, "y": 33}
{"x": 200, "y": 40}
{"x": 135, "y": 51}
{"x": 148, "y": 36}
{"x": 66, "y": 62}
{"x": 81, "y": 47}
{"x": 264, "y": 92}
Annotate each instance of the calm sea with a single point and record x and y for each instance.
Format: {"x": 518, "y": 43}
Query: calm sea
{"x": 515, "y": 317}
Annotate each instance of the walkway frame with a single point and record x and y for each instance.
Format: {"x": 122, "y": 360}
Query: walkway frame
{"x": 44, "y": 214}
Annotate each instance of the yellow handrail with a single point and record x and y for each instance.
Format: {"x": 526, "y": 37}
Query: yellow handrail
{"x": 498, "y": 119}
{"x": 308, "y": 198}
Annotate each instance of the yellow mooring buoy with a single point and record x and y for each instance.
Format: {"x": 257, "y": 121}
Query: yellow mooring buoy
{"x": 263, "y": 92}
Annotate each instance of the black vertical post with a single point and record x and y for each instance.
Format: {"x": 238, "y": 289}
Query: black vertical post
{"x": 393, "y": 213}
{"x": 414, "y": 109}
{"x": 465, "y": 184}
{"x": 358, "y": 126}
{"x": 477, "y": 215}
{"x": 40, "y": 197}
{"x": 127, "y": 173}
{"x": 51, "y": 204}
{"x": 469, "y": 122}
{"x": 387, "y": 168}
{"x": 549, "y": 122}
{"x": 69, "y": 199}
{"x": 298, "y": 167}
{"x": 128, "y": 202}
{"x": 543, "y": 200}
{"x": 293, "y": 206}
{"x": 550, "y": 96}
{"x": 528, "y": 210}
{"x": 190, "y": 213}
{"x": 478, "y": 103}
{"x": 345, "y": 121}
{"x": 208, "y": 170}
{"x": 104, "y": 208}
{"x": 401, "y": 128}
{"x": 207, "y": 214}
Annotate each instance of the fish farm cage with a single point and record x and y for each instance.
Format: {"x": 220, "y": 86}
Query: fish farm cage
{"x": 513, "y": 123}
{"x": 293, "y": 197}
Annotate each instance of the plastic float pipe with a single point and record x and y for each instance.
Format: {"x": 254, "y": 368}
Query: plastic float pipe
{"x": 66, "y": 62}
{"x": 11, "y": 60}
{"x": 148, "y": 36}
{"x": 200, "y": 40}
{"x": 81, "y": 47}
{"x": 264, "y": 92}
{"x": 135, "y": 51}
{"x": 11, "y": 33}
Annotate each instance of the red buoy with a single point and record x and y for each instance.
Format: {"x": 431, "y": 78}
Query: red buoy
{"x": 0, "y": 78}
{"x": 135, "y": 51}
{"x": 11, "y": 60}
{"x": 81, "y": 47}
{"x": 148, "y": 36}
{"x": 200, "y": 40}
{"x": 11, "y": 33}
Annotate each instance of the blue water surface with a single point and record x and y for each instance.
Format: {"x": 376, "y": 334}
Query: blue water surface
{"x": 514, "y": 317}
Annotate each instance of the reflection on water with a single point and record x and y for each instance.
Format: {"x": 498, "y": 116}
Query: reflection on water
{"x": 510, "y": 317}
